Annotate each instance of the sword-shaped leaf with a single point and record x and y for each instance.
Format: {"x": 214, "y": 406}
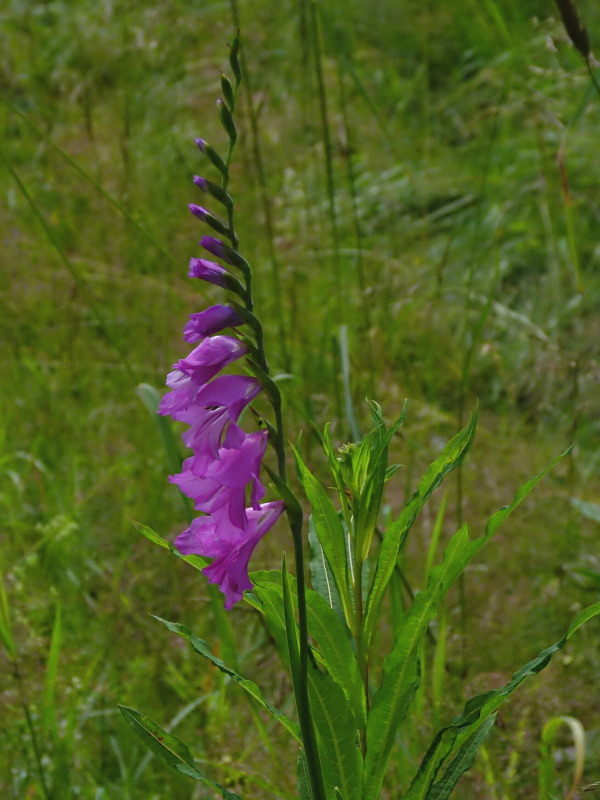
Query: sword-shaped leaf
{"x": 397, "y": 532}
{"x": 462, "y": 761}
{"x": 170, "y": 748}
{"x": 201, "y": 647}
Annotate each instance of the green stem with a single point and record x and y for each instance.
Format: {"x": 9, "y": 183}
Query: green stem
{"x": 34, "y": 742}
{"x": 592, "y": 76}
{"x": 309, "y": 738}
{"x": 307, "y": 728}
{"x": 328, "y": 155}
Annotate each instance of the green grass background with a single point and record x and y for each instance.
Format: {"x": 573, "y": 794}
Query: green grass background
{"x": 431, "y": 220}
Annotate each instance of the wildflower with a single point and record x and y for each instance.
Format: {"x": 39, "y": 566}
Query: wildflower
{"x": 214, "y": 246}
{"x": 221, "y": 484}
{"x": 215, "y": 407}
{"x": 199, "y": 211}
{"x": 230, "y": 547}
{"x": 209, "y": 271}
{"x": 213, "y": 320}
{"x": 209, "y": 357}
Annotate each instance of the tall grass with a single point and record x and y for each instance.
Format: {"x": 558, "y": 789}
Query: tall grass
{"x": 456, "y": 248}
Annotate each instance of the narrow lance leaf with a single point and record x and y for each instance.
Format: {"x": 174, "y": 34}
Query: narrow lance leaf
{"x": 330, "y": 532}
{"x": 462, "y": 761}
{"x": 397, "y": 532}
{"x": 201, "y": 647}
{"x": 170, "y": 749}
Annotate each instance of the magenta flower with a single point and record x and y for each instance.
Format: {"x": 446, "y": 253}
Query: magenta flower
{"x": 215, "y": 407}
{"x": 221, "y": 484}
{"x": 222, "y": 475}
{"x": 209, "y": 271}
{"x": 210, "y": 357}
{"x": 214, "y": 246}
{"x": 199, "y": 211}
{"x": 213, "y": 320}
{"x": 230, "y": 547}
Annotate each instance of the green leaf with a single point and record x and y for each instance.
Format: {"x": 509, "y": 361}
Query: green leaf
{"x": 291, "y": 630}
{"x": 330, "y": 532}
{"x": 303, "y": 779}
{"x": 321, "y": 576}
{"x": 49, "y": 720}
{"x": 341, "y": 760}
{"x": 335, "y": 648}
{"x": 400, "y": 676}
{"x": 170, "y": 748}
{"x": 331, "y": 706}
{"x": 6, "y": 636}
{"x": 201, "y": 647}
{"x": 397, "y": 532}
{"x": 198, "y": 562}
{"x": 462, "y": 761}
{"x": 389, "y": 703}
{"x": 479, "y": 708}
{"x": 430, "y": 766}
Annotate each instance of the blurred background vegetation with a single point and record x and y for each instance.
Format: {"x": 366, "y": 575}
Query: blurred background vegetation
{"x": 423, "y": 173}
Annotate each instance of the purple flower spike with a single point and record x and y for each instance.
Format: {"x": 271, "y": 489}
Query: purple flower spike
{"x": 208, "y": 271}
{"x": 215, "y": 485}
{"x": 200, "y": 182}
{"x": 214, "y": 246}
{"x": 217, "y": 406}
{"x": 213, "y": 320}
{"x": 198, "y": 211}
{"x": 201, "y": 144}
{"x": 231, "y": 548}
{"x": 209, "y": 357}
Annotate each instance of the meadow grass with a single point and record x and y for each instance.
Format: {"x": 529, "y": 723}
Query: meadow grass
{"x": 408, "y": 150}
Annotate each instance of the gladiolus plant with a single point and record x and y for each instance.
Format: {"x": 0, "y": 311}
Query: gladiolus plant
{"x": 351, "y": 700}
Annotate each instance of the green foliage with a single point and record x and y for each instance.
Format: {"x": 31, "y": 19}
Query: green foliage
{"x": 445, "y": 126}
{"x": 169, "y": 748}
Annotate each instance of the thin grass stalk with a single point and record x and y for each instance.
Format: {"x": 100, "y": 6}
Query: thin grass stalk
{"x": 82, "y": 284}
{"x": 328, "y": 156}
{"x": 99, "y": 188}
{"x": 37, "y": 753}
{"x": 351, "y": 180}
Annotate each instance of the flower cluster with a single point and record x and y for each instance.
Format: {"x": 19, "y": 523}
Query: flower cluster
{"x": 222, "y": 474}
